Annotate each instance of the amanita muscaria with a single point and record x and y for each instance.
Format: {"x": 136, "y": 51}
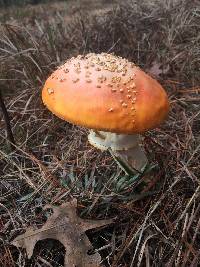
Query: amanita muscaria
{"x": 112, "y": 97}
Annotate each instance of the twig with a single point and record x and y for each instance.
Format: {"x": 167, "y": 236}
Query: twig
{"x": 7, "y": 122}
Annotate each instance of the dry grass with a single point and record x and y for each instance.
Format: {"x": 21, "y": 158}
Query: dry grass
{"x": 157, "y": 223}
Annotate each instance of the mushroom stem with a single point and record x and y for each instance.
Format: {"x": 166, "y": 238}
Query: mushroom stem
{"x": 125, "y": 148}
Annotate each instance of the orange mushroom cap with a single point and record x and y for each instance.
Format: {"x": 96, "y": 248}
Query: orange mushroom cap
{"x": 107, "y": 93}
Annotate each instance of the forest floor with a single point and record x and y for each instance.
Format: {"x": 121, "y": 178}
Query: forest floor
{"x": 156, "y": 222}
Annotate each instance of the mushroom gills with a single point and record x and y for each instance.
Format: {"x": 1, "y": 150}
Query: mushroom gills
{"x": 123, "y": 147}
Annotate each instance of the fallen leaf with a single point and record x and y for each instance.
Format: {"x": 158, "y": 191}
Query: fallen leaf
{"x": 156, "y": 69}
{"x": 64, "y": 225}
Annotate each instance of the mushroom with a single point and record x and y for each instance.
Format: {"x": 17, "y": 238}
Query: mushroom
{"x": 112, "y": 97}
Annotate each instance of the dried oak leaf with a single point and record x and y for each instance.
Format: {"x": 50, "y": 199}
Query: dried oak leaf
{"x": 64, "y": 225}
{"x": 157, "y": 69}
